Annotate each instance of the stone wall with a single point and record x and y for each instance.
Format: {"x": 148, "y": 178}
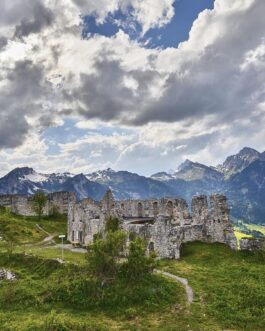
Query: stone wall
{"x": 22, "y": 204}
{"x": 165, "y": 223}
{"x": 252, "y": 244}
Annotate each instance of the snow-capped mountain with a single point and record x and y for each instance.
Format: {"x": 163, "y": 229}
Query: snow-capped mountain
{"x": 241, "y": 177}
{"x": 27, "y": 181}
{"x": 193, "y": 178}
{"x": 127, "y": 185}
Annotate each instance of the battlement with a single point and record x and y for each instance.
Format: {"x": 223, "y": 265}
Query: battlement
{"x": 165, "y": 223}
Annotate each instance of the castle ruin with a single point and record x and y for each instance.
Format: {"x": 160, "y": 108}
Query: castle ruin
{"x": 23, "y": 204}
{"x": 164, "y": 223}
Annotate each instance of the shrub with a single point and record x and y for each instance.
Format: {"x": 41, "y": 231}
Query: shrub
{"x": 112, "y": 224}
{"x": 138, "y": 265}
{"x": 104, "y": 254}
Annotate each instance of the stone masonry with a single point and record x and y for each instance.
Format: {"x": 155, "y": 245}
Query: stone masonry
{"x": 252, "y": 244}
{"x": 22, "y": 204}
{"x": 165, "y": 223}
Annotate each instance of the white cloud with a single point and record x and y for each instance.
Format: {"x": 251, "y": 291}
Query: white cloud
{"x": 200, "y": 100}
{"x": 149, "y": 13}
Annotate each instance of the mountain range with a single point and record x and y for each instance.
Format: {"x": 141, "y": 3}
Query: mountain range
{"x": 241, "y": 178}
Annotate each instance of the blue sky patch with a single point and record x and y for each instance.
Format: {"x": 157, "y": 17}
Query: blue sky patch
{"x": 186, "y": 12}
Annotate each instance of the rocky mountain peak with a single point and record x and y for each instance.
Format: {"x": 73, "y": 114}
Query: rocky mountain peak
{"x": 21, "y": 172}
{"x": 240, "y": 161}
{"x": 186, "y": 164}
{"x": 248, "y": 152}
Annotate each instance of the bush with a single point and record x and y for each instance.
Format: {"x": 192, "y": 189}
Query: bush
{"x": 138, "y": 265}
{"x": 112, "y": 224}
{"x": 104, "y": 254}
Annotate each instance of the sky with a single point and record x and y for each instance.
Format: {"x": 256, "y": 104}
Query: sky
{"x": 137, "y": 85}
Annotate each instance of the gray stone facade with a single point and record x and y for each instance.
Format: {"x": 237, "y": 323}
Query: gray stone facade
{"x": 22, "y": 204}
{"x": 165, "y": 223}
{"x": 252, "y": 244}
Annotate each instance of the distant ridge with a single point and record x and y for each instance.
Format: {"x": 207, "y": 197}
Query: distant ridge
{"x": 241, "y": 177}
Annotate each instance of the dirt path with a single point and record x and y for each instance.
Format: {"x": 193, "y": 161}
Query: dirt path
{"x": 183, "y": 281}
{"x": 49, "y": 238}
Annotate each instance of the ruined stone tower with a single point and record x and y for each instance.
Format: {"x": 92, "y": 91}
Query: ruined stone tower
{"x": 164, "y": 223}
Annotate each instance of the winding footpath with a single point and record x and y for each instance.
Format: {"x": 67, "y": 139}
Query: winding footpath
{"x": 48, "y": 239}
{"x": 183, "y": 281}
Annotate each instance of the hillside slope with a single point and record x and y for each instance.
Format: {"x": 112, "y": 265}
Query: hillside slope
{"x": 228, "y": 286}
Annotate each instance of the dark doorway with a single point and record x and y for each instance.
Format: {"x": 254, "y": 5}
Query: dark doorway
{"x": 155, "y": 207}
{"x": 140, "y": 210}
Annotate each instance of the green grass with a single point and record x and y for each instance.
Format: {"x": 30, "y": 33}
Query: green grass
{"x": 23, "y": 230}
{"x": 249, "y": 229}
{"x": 229, "y": 286}
{"x": 54, "y": 253}
{"x": 239, "y": 235}
{"x": 49, "y": 296}
{"x": 255, "y": 227}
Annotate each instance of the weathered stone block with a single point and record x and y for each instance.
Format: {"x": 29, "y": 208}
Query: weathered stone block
{"x": 252, "y": 244}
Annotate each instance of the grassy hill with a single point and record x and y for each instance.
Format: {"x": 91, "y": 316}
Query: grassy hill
{"x": 24, "y": 230}
{"x": 229, "y": 286}
{"x": 229, "y": 289}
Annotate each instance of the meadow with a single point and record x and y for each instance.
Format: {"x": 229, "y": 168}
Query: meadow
{"x": 229, "y": 288}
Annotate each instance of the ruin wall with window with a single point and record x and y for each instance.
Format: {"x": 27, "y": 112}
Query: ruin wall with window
{"x": 165, "y": 223}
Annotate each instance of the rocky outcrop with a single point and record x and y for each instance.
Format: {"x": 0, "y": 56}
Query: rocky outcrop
{"x": 7, "y": 275}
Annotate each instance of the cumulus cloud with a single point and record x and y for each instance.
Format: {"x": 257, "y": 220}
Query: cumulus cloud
{"x": 208, "y": 88}
{"x": 42, "y": 17}
{"x": 148, "y": 14}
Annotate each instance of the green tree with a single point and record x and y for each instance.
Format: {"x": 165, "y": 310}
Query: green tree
{"x": 104, "y": 254}
{"x": 138, "y": 264}
{"x": 112, "y": 224}
{"x": 38, "y": 202}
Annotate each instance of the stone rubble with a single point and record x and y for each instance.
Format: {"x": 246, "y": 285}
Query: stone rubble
{"x": 7, "y": 275}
